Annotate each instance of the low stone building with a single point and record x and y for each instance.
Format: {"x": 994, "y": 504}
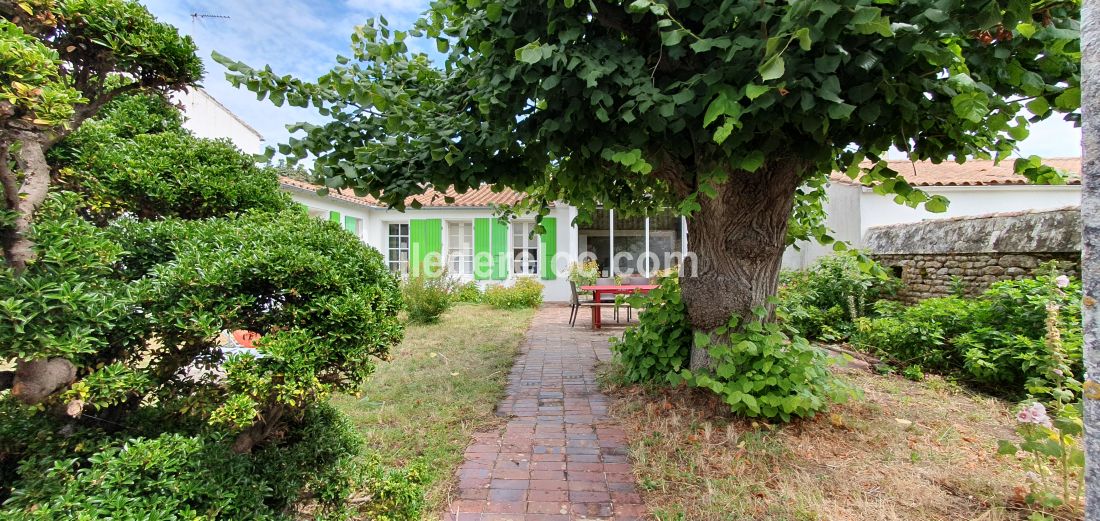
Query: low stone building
{"x": 936, "y": 258}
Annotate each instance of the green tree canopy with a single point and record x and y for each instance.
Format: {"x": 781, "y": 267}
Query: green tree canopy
{"x": 722, "y": 109}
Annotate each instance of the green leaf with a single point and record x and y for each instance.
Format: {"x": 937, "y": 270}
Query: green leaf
{"x": 530, "y": 53}
{"x": 865, "y": 15}
{"x": 841, "y": 110}
{"x": 1038, "y": 106}
{"x": 937, "y": 204}
{"x": 753, "y": 91}
{"x": 493, "y": 12}
{"x": 772, "y": 69}
{"x": 972, "y": 106}
{"x": 1026, "y": 30}
{"x": 671, "y": 38}
{"x": 803, "y": 36}
{"x": 753, "y": 161}
{"x": 1069, "y": 99}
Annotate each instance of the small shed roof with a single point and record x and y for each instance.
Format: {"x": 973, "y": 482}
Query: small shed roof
{"x": 1016, "y": 232}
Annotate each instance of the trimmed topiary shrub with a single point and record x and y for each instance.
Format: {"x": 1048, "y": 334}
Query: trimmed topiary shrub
{"x": 124, "y": 404}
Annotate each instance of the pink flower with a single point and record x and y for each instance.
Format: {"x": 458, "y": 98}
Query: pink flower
{"x": 1035, "y": 414}
{"x": 1062, "y": 281}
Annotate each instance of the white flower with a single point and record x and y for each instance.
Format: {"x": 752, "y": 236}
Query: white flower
{"x": 1062, "y": 281}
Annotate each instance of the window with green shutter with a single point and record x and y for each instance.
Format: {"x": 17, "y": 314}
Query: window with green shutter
{"x": 483, "y": 261}
{"x": 334, "y": 216}
{"x": 549, "y": 239}
{"x": 425, "y": 246}
{"x": 499, "y": 249}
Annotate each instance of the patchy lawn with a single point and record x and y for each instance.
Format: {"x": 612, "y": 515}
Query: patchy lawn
{"x": 443, "y": 384}
{"x": 906, "y": 451}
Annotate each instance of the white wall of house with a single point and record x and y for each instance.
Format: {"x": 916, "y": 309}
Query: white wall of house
{"x": 878, "y": 210}
{"x": 207, "y": 118}
{"x": 852, "y": 209}
{"x": 375, "y": 232}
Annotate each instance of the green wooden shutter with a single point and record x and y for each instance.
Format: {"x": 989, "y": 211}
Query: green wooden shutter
{"x": 482, "y": 250}
{"x": 349, "y": 224}
{"x": 549, "y": 240}
{"x": 334, "y": 217}
{"x": 425, "y": 242}
{"x": 501, "y": 257}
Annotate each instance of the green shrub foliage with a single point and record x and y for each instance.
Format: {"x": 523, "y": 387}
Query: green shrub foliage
{"x": 162, "y": 242}
{"x": 824, "y": 301}
{"x": 137, "y": 160}
{"x": 997, "y": 339}
{"x": 759, "y": 371}
{"x": 661, "y": 342}
{"x": 427, "y": 298}
{"x": 468, "y": 292}
{"x": 196, "y": 476}
{"x": 756, "y": 368}
{"x": 526, "y": 292}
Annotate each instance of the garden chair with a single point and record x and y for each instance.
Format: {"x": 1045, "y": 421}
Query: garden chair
{"x": 608, "y": 298}
{"x": 576, "y": 303}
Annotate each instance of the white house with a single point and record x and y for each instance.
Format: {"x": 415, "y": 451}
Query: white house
{"x": 976, "y": 187}
{"x": 474, "y": 245}
{"x": 206, "y": 117}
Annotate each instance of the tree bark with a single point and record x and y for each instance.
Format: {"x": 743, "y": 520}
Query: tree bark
{"x": 31, "y": 159}
{"x": 1090, "y": 258}
{"x": 259, "y": 431}
{"x": 735, "y": 244}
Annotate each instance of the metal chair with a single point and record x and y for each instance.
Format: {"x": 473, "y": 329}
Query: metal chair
{"x": 575, "y": 303}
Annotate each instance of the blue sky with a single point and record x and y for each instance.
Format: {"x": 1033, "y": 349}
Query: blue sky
{"x": 302, "y": 38}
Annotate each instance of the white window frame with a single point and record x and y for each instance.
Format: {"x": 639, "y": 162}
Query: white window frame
{"x": 528, "y": 240}
{"x": 402, "y": 265}
{"x": 465, "y": 260}
{"x": 359, "y": 225}
{"x": 319, "y": 213}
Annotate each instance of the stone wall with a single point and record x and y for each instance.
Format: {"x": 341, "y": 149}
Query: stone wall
{"x": 942, "y": 274}
{"x": 936, "y": 258}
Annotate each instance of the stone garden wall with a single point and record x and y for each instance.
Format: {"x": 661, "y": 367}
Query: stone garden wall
{"x": 965, "y": 255}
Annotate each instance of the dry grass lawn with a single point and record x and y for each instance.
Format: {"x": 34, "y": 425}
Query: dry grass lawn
{"x": 906, "y": 451}
{"x": 443, "y": 384}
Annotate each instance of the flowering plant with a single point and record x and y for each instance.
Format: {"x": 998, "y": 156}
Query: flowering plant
{"x": 1053, "y": 445}
{"x": 584, "y": 273}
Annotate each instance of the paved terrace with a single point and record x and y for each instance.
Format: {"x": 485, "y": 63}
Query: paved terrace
{"x": 559, "y": 457}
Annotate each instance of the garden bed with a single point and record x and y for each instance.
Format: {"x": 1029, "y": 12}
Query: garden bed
{"x": 906, "y": 450}
{"x": 443, "y": 385}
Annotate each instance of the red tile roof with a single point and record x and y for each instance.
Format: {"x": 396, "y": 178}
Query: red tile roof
{"x": 974, "y": 172}
{"x": 481, "y": 197}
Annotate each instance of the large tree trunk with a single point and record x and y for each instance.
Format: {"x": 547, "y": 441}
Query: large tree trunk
{"x": 737, "y": 238}
{"x": 1090, "y": 262}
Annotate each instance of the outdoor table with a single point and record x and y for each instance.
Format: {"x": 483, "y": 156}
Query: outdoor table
{"x": 621, "y": 289}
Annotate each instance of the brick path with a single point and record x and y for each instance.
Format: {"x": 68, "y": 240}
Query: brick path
{"x": 559, "y": 457}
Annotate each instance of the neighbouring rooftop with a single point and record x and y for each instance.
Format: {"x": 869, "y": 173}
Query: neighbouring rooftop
{"x": 482, "y": 197}
{"x": 975, "y": 172}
